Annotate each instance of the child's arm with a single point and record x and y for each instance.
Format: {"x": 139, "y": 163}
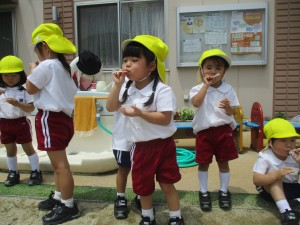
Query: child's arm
{"x": 199, "y": 97}
{"x": 113, "y": 102}
{"x": 270, "y": 178}
{"x": 27, "y": 107}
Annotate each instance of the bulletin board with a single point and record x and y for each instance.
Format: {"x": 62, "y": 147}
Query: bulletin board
{"x": 240, "y": 30}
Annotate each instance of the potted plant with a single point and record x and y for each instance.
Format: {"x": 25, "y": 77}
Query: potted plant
{"x": 186, "y": 113}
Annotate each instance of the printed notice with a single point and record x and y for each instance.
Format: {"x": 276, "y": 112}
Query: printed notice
{"x": 193, "y": 45}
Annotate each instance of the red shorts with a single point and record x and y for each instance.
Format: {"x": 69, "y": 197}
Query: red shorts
{"x": 54, "y": 130}
{"x": 218, "y": 141}
{"x": 150, "y": 158}
{"x": 15, "y": 130}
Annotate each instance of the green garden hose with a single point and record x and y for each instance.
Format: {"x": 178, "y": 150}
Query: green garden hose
{"x": 185, "y": 158}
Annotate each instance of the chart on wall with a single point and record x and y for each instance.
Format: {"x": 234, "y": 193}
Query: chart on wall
{"x": 239, "y": 30}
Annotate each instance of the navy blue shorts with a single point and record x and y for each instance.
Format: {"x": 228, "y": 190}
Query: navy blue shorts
{"x": 291, "y": 191}
{"x": 122, "y": 158}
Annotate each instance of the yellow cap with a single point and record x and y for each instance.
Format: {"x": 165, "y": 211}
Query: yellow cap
{"x": 214, "y": 52}
{"x": 279, "y": 128}
{"x": 53, "y": 36}
{"x": 11, "y": 64}
{"x": 155, "y": 45}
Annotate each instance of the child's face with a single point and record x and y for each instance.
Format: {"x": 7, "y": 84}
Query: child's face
{"x": 212, "y": 67}
{"x": 11, "y": 79}
{"x": 282, "y": 146}
{"x": 137, "y": 68}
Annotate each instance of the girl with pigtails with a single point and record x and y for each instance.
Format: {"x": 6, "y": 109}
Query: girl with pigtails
{"x": 148, "y": 106}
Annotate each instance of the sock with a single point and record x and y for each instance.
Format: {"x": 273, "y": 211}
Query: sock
{"x": 12, "y": 163}
{"x": 34, "y": 162}
{"x": 57, "y": 195}
{"x": 69, "y": 202}
{"x": 203, "y": 178}
{"x": 174, "y": 214}
{"x": 224, "y": 181}
{"x": 120, "y": 194}
{"x": 148, "y": 213}
{"x": 297, "y": 199}
{"x": 282, "y": 205}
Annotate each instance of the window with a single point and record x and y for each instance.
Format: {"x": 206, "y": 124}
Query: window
{"x": 102, "y": 27}
{"x": 7, "y": 37}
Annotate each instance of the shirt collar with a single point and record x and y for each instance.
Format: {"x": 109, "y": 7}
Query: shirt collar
{"x": 146, "y": 91}
{"x": 224, "y": 87}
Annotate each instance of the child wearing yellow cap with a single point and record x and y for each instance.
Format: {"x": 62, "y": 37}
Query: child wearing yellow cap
{"x": 213, "y": 124}
{"x": 53, "y": 90}
{"x": 276, "y": 170}
{"x": 15, "y": 105}
{"x": 148, "y": 106}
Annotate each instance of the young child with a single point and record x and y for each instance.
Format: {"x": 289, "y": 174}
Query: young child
{"x": 15, "y": 128}
{"x": 121, "y": 149}
{"x": 276, "y": 170}
{"x": 213, "y": 124}
{"x": 149, "y": 110}
{"x": 53, "y": 91}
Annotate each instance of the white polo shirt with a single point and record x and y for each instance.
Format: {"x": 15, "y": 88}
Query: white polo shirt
{"x": 137, "y": 129}
{"x": 57, "y": 88}
{"x": 208, "y": 114}
{"x": 267, "y": 162}
{"x": 8, "y": 111}
{"x": 119, "y": 141}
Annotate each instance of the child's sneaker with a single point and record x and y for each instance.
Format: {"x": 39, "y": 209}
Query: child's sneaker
{"x": 295, "y": 205}
{"x": 205, "y": 201}
{"x": 35, "y": 178}
{"x": 137, "y": 202}
{"x": 12, "y": 178}
{"x": 120, "y": 208}
{"x": 61, "y": 214}
{"x": 176, "y": 221}
{"x": 146, "y": 221}
{"x": 224, "y": 200}
{"x": 289, "y": 218}
{"x": 49, "y": 203}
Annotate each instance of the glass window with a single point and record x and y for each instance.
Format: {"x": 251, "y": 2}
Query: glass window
{"x": 7, "y": 41}
{"x": 102, "y": 27}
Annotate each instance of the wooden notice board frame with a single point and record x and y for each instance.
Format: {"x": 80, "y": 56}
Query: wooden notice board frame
{"x": 240, "y": 30}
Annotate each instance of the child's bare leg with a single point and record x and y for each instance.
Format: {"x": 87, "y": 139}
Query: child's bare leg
{"x": 63, "y": 173}
{"x": 121, "y": 179}
{"x": 147, "y": 202}
{"x": 28, "y": 148}
{"x": 171, "y": 196}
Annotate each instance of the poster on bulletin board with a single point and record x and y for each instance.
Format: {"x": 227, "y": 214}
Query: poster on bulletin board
{"x": 240, "y": 30}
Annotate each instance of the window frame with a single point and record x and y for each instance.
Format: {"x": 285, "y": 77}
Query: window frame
{"x": 14, "y": 28}
{"x": 118, "y": 3}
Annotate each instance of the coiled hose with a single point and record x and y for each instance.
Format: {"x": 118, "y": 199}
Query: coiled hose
{"x": 185, "y": 158}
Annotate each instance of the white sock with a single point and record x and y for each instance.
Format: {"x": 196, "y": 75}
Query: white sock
{"x": 203, "y": 178}
{"x": 34, "y": 162}
{"x": 12, "y": 163}
{"x": 174, "y": 214}
{"x": 297, "y": 199}
{"x": 69, "y": 202}
{"x": 148, "y": 213}
{"x": 121, "y": 194}
{"x": 224, "y": 181}
{"x": 282, "y": 205}
{"x": 57, "y": 195}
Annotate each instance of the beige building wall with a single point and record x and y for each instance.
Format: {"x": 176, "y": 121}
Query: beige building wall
{"x": 252, "y": 83}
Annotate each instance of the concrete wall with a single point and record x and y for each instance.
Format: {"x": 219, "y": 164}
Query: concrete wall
{"x": 252, "y": 83}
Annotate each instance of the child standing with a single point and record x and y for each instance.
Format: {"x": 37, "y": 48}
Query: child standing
{"x": 15, "y": 128}
{"x": 148, "y": 122}
{"x": 276, "y": 170}
{"x": 213, "y": 124}
{"x": 53, "y": 91}
{"x": 121, "y": 149}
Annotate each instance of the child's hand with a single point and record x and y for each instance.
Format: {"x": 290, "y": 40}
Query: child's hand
{"x": 295, "y": 153}
{"x": 284, "y": 171}
{"x": 12, "y": 101}
{"x": 130, "y": 110}
{"x": 119, "y": 77}
{"x": 2, "y": 91}
{"x": 33, "y": 65}
{"x": 209, "y": 78}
